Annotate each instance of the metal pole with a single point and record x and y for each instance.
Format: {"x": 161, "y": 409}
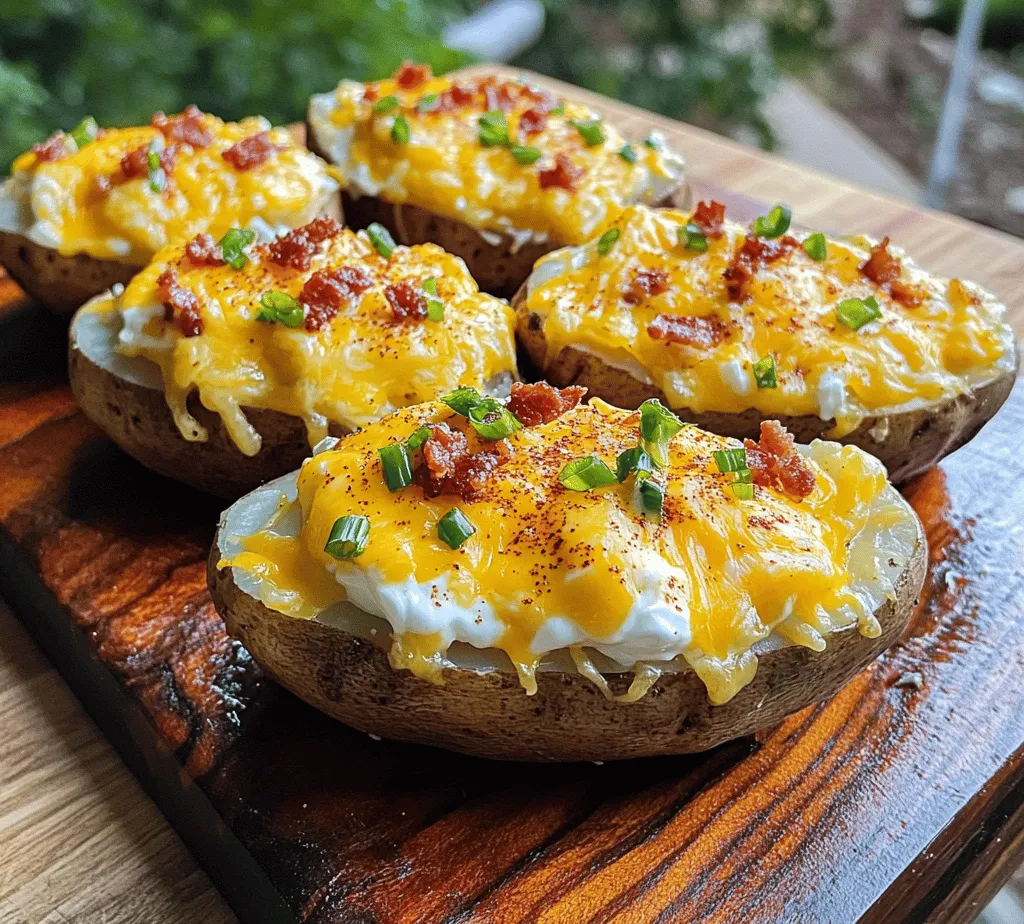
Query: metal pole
{"x": 954, "y": 108}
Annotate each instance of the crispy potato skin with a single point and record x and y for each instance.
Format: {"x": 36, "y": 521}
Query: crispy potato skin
{"x": 497, "y": 268}
{"x": 63, "y": 283}
{"x": 908, "y": 443}
{"x": 490, "y": 715}
{"x": 60, "y": 282}
{"x": 138, "y": 420}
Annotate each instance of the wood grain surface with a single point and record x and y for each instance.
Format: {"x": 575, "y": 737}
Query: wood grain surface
{"x": 891, "y": 802}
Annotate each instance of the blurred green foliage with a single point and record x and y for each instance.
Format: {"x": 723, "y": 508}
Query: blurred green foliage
{"x": 709, "y": 61}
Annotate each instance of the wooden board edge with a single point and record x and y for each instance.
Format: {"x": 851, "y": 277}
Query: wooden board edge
{"x": 237, "y": 876}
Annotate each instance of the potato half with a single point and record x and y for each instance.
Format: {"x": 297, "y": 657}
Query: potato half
{"x": 338, "y": 663}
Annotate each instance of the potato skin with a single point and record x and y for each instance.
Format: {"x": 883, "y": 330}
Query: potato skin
{"x": 62, "y": 283}
{"x": 908, "y": 443}
{"x": 497, "y": 268}
{"x": 490, "y": 715}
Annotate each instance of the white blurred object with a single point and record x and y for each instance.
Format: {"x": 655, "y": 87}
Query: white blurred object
{"x": 498, "y": 31}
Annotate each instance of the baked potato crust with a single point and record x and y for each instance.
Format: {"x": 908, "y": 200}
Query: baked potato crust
{"x": 498, "y": 268}
{"x": 907, "y": 443}
{"x": 490, "y": 715}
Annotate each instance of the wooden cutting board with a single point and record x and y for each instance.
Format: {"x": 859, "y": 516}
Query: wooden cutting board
{"x": 891, "y": 802}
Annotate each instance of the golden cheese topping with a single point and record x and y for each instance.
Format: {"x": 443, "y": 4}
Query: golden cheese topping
{"x": 318, "y": 324}
{"x": 492, "y": 152}
{"x": 731, "y": 320}
{"x": 129, "y": 192}
{"x": 547, "y": 568}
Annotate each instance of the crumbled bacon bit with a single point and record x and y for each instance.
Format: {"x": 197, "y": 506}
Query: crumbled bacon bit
{"x": 202, "y": 250}
{"x": 704, "y": 332}
{"x": 881, "y": 266}
{"x": 775, "y": 463}
{"x": 533, "y": 120}
{"x": 708, "y": 217}
{"x": 188, "y": 127}
{"x": 441, "y": 451}
{"x": 180, "y": 304}
{"x": 500, "y": 95}
{"x": 755, "y": 253}
{"x": 455, "y": 97}
{"x": 564, "y": 174}
{"x": 541, "y": 403}
{"x": 407, "y": 302}
{"x": 472, "y": 471}
{"x": 327, "y": 290}
{"x": 135, "y": 164}
{"x": 53, "y": 148}
{"x": 250, "y": 152}
{"x": 644, "y": 285}
{"x": 449, "y": 467}
{"x": 410, "y": 76}
{"x": 908, "y": 295}
{"x": 297, "y": 247}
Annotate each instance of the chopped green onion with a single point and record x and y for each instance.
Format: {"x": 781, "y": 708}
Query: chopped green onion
{"x": 435, "y": 307}
{"x": 657, "y": 426}
{"x": 454, "y": 528}
{"x": 650, "y": 495}
{"x": 397, "y": 470}
{"x": 381, "y": 239}
{"x": 349, "y": 537}
{"x": 559, "y": 110}
{"x": 628, "y": 153}
{"x": 731, "y": 460}
{"x": 430, "y": 286}
{"x": 743, "y": 491}
{"x": 428, "y": 102}
{"x": 462, "y": 399}
{"x": 607, "y": 241}
{"x": 856, "y": 312}
{"x": 493, "y": 129}
{"x": 816, "y": 246}
{"x": 692, "y": 238}
{"x": 743, "y": 476}
{"x": 526, "y": 155}
{"x": 400, "y": 130}
{"x": 590, "y": 131}
{"x": 764, "y": 372}
{"x": 775, "y": 223}
{"x": 633, "y": 460}
{"x": 233, "y": 245}
{"x": 418, "y": 438}
{"x": 157, "y": 177}
{"x": 492, "y": 420}
{"x": 585, "y": 473}
{"x": 85, "y": 132}
{"x": 385, "y": 104}
{"x": 651, "y": 142}
{"x": 280, "y": 308}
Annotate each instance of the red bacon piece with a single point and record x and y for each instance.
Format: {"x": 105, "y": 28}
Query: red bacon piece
{"x": 407, "y": 302}
{"x": 53, "y": 148}
{"x": 297, "y": 247}
{"x": 644, "y": 285}
{"x": 187, "y": 127}
{"x": 472, "y": 472}
{"x": 881, "y": 266}
{"x": 908, "y": 295}
{"x": 563, "y": 175}
{"x": 541, "y": 403}
{"x": 533, "y": 120}
{"x": 708, "y": 217}
{"x": 755, "y": 253}
{"x": 180, "y": 304}
{"x": 250, "y": 152}
{"x": 501, "y": 95}
{"x": 327, "y": 290}
{"x": 135, "y": 164}
{"x": 457, "y": 96}
{"x": 450, "y": 468}
{"x": 441, "y": 451}
{"x": 774, "y": 462}
{"x": 202, "y": 250}
{"x": 410, "y": 76}
{"x": 703, "y": 332}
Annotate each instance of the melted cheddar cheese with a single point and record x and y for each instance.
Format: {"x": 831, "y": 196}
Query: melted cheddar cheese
{"x": 956, "y": 337}
{"x": 549, "y": 569}
{"x": 83, "y": 202}
{"x": 360, "y": 365}
{"x": 443, "y": 166}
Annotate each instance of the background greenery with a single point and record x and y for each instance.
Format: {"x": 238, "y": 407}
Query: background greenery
{"x": 709, "y": 61}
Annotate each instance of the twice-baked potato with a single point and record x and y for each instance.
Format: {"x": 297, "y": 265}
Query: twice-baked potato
{"x": 555, "y": 581}
{"x": 729, "y": 326}
{"x": 494, "y": 170}
{"x": 89, "y": 208}
{"x": 220, "y": 365}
